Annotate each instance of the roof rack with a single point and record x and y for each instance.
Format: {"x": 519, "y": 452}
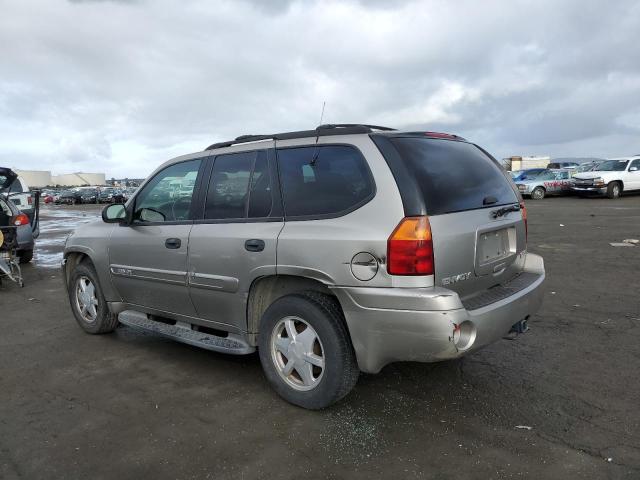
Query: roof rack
{"x": 319, "y": 131}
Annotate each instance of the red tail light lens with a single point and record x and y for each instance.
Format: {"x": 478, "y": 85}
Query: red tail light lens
{"x": 21, "y": 219}
{"x": 410, "y": 248}
{"x": 523, "y": 209}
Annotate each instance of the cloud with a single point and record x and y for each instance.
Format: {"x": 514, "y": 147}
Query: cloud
{"x": 120, "y": 86}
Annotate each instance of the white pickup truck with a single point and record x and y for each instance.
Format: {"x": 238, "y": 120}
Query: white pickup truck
{"x": 611, "y": 178}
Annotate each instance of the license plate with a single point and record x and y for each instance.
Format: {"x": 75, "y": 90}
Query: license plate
{"x": 493, "y": 246}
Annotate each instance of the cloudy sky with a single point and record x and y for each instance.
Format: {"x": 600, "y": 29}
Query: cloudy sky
{"x": 120, "y": 86}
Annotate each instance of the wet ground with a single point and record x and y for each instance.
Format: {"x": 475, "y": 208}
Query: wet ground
{"x": 57, "y": 222}
{"x": 560, "y": 402}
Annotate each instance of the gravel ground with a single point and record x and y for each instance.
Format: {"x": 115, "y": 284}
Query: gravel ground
{"x": 130, "y": 405}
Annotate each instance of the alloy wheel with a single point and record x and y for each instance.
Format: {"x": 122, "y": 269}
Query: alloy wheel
{"x": 297, "y": 353}
{"x": 86, "y": 299}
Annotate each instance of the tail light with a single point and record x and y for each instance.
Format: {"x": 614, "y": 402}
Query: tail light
{"x": 523, "y": 209}
{"x": 20, "y": 219}
{"x": 410, "y": 248}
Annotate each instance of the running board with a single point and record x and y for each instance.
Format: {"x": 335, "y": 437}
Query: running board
{"x": 183, "y": 333}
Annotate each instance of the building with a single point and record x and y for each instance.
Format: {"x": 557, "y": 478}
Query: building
{"x": 35, "y": 178}
{"x": 44, "y": 178}
{"x": 521, "y": 163}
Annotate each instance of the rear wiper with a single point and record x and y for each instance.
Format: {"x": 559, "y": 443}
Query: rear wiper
{"x": 504, "y": 210}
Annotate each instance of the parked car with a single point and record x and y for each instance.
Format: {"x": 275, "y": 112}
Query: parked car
{"x": 561, "y": 165}
{"x": 585, "y": 167}
{"x": 10, "y": 214}
{"x": 19, "y": 193}
{"x": 337, "y": 250}
{"x": 68, "y": 197}
{"x": 520, "y": 175}
{"x": 47, "y": 196}
{"x": 548, "y": 182}
{"x": 610, "y": 178}
{"x": 106, "y": 195}
{"x": 88, "y": 195}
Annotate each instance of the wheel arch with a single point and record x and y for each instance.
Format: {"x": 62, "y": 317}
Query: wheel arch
{"x": 74, "y": 256}
{"x": 266, "y": 290}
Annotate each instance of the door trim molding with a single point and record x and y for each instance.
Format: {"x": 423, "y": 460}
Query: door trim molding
{"x": 173, "y": 277}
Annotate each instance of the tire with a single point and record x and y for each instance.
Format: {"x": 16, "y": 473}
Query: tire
{"x": 339, "y": 372}
{"x": 103, "y": 321}
{"x": 538, "y": 193}
{"x": 614, "y": 189}
{"x": 25, "y": 256}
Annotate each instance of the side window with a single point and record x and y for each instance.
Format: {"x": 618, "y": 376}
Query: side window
{"x": 16, "y": 187}
{"x": 636, "y": 164}
{"x": 240, "y": 187}
{"x": 323, "y": 180}
{"x": 167, "y": 197}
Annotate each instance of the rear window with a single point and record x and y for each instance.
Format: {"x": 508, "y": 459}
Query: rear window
{"x": 454, "y": 176}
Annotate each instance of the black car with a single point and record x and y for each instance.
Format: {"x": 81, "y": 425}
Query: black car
{"x": 68, "y": 197}
{"x": 88, "y": 195}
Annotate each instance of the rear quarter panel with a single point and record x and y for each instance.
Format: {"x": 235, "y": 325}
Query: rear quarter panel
{"x": 323, "y": 249}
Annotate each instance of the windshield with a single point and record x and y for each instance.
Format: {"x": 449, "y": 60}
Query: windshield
{"x": 613, "y": 166}
{"x": 587, "y": 167}
{"x": 529, "y": 174}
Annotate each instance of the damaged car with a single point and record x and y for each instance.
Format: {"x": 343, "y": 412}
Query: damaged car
{"x": 547, "y": 182}
{"x": 27, "y": 230}
{"x": 330, "y": 251}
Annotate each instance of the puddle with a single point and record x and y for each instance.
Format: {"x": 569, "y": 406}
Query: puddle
{"x": 55, "y": 224}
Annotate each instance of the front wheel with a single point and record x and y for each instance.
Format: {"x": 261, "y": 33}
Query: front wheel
{"x": 538, "y": 193}
{"x": 87, "y": 301}
{"x": 306, "y": 351}
{"x": 614, "y": 190}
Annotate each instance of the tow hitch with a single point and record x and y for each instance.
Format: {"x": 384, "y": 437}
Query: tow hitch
{"x": 520, "y": 327}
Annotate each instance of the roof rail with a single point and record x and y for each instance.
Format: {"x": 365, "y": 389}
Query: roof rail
{"x": 349, "y": 125}
{"x": 319, "y": 131}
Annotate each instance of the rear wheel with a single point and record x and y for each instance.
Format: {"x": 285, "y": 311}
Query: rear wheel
{"x": 305, "y": 350}
{"x": 25, "y": 256}
{"x": 538, "y": 193}
{"x": 614, "y": 189}
{"x": 87, "y": 301}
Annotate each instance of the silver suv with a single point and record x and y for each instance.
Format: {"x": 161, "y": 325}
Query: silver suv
{"x": 330, "y": 251}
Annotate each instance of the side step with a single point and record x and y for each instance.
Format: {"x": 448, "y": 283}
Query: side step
{"x": 232, "y": 344}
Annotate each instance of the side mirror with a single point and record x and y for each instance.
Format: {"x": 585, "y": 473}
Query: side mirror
{"x": 633, "y": 169}
{"x": 114, "y": 213}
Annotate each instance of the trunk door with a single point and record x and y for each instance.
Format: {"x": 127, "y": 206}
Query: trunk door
{"x": 7, "y": 176}
{"x": 473, "y": 251}
{"x": 473, "y": 207}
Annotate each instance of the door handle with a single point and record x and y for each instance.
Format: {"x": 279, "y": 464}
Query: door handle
{"x": 254, "y": 245}
{"x": 172, "y": 243}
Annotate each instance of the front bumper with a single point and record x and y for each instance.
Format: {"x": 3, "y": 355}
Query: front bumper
{"x": 589, "y": 190}
{"x": 394, "y": 324}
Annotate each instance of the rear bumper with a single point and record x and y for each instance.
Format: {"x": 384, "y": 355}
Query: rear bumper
{"x": 394, "y": 324}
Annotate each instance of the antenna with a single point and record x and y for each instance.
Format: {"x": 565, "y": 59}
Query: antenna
{"x": 317, "y": 151}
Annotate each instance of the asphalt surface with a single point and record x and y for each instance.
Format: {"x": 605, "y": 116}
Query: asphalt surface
{"x": 130, "y": 405}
